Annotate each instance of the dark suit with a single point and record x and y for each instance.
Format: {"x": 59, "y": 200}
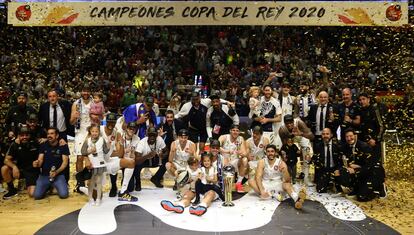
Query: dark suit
{"x": 44, "y": 121}
{"x": 44, "y": 118}
{"x": 367, "y": 179}
{"x": 323, "y": 173}
{"x": 312, "y": 119}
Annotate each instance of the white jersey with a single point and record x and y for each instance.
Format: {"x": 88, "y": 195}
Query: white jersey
{"x": 85, "y": 120}
{"x": 130, "y": 145}
{"x": 208, "y": 174}
{"x": 181, "y": 155}
{"x": 229, "y": 145}
{"x": 144, "y": 148}
{"x": 271, "y": 172}
{"x": 193, "y": 176}
{"x": 258, "y": 151}
{"x": 109, "y": 138}
{"x": 98, "y": 159}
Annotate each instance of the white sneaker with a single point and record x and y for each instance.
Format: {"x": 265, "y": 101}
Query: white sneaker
{"x": 98, "y": 202}
{"x": 91, "y": 202}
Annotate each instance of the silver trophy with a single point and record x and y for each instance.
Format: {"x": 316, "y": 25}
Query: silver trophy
{"x": 228, "y": 172}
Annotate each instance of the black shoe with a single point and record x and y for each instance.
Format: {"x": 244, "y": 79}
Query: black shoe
{"x": 113, "y": 192}
{"x": 175, "y": 187}
{"x": 156, "y": 182}
{"x": 301, "y": 176}
{"x": 11, "y": 193}
{"x": 351, "y": 195}
{"x": 383, "y": 191}
{"x": 138, "y": 187}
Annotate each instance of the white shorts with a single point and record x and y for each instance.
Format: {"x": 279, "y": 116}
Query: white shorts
{"x": 235, "y": 164}
{"x": 253, "y": 164}
{"x": 273, "y": 186}
{"x": 180, "y": 166}
{"x": 80, "y": 137}
{"x": 113, "y": 165}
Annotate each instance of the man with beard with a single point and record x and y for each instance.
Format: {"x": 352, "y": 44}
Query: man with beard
{"x": 181, "y": 150}
{"x": 286, "y": 101}
{"x": 349, "y": 113}
{"x": 18, "y": 163}
{"x": 142, "y": 114}
{"x": 372, "y": 127}
{"x": 36, "y": 132}
{"x": 272, "y": 178}
{"x": 297, "y": 130}
{"x": 81, "y": 120}
{"x": 53, "y": 160}
{"x": 361, "y": 173}
{"x": 194, "y": 115}
{"x": 327, "y": 159}
{"x": 255, "y": 146}
{"x": 56, "y": 113}
{"x": 304, "y": 101}
{"x": 151, "y": 152}
{"x": 233, "y": 148}
{"x": 18, "y": 114}
{"x": 220, "y": 117}
{"x": 169, "y": 130}
{"x": 116, "y": 150}
{"x": 270, "y": 116}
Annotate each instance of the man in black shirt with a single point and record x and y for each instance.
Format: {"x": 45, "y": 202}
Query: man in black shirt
{"x": 53, "y": 160}
{"x": 372, "y": 127}
{"x": 220, "y": 117}
{"x": 349, "y": 113}
{"x": 169, "y": 130}
{"x": 18, "y": 114}
{"x": 19, "y": 162}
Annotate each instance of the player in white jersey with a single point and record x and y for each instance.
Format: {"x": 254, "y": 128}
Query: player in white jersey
{"x": 272, "y": 178}
{"x": 116, "y": 149}
{"x": 255, "y": 146}
{"x": 233, "y": 149}
{"x": 181, "y": 150}
{"x": 130, "y": 142}
{"x": 81, "y": 120}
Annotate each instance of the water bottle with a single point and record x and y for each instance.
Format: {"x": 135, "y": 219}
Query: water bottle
{"x": 53, "y": 169}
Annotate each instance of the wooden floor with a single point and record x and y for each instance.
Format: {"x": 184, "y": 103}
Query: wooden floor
{"x": 23, "y": 215}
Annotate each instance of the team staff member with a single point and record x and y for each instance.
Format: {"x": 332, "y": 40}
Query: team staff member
{"x": 360, "y": 173}
{"x": 19, "y": 163}
{"x": 220, "y": 117}
{"x": 56, "y": 113}
{"x": 372, "y": 126}
{"x": 18, "y": 114}
{"x": 53, "y": 160}
{"x": 327, "y": 159}
{"x": 349, "y": 113}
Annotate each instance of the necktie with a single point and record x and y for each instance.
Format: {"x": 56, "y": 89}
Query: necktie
{"x": 321, "y": 123}
{"x": 54, "y": 116}
{"x": 328, "y": 156}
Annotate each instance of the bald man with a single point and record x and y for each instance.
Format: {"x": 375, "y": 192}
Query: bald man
{"x": 349, "y": 113}
{"x": 322, "y": 115}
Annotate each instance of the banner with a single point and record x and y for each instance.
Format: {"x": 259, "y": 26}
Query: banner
{"x": 208, "y": 13}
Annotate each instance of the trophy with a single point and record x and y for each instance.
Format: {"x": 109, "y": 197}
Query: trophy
{"x": 228, "y": 172}
{"x": 159, "y": 153}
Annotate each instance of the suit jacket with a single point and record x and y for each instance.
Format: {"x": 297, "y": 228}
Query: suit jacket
{"x": 319, "y": 157}
{"x": 361, "y": 156}
{"x": 44, "y": 119}
{"x": 312, "y": 118}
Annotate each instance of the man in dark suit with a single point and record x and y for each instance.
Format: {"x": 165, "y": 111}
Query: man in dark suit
{"x": 360, "y": 171}
{"x": 322, "y": 115}
{"x": 327, "y": 160}
{"x": 56, "y": 113}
